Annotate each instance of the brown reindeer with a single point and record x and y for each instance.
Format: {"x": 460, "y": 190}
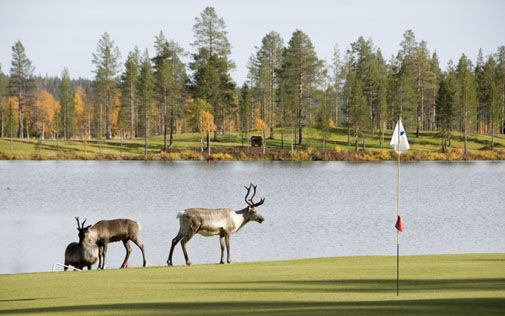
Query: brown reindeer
{"x": 107, "y": 231}
{"x": 211, "y": 222}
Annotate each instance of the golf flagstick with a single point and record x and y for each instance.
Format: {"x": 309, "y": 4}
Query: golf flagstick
{"x": 400, "y": 144}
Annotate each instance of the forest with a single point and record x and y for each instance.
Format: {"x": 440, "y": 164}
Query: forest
{"x": 288, "y": 89}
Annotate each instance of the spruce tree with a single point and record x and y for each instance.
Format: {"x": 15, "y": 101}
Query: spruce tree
{"x": 146, "y": 95}
{"x": 106, "y": 59}
{"x": 300, "y": 67}
{"x": 21, "y": 82}
{"x": 170, "y": 77}
{"x": 67, "y": 107}
{"x": 129, "y": 93}
{"x": 467, "y": 97}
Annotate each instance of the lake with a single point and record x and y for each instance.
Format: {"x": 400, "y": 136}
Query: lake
{"x": 315, "y": 209}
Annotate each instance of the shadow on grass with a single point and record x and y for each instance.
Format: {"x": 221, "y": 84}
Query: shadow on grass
{"x": 484, "y": 306}
{"x": 358, "y": 286}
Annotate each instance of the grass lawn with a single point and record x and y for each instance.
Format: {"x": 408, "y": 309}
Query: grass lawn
{"x": 232, "y": 142}
{"x": 471, "y": 284}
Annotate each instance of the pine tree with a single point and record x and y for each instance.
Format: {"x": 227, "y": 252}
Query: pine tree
{"x": 500, "y": 65}
{"x": 3, "y": 96}
{"x": 245, "y": 111}
{"x": 263, "y": 70}
{"x": 211, "y": 36}
{"x": 466, "y": 97}
{"x": 106, "y": 59}
{"x": 445, "y": 105}
{"x": 146, "y": 95}
{"x": 300, "y": 67}
{"x": 211, "y": 65}
{"x": 170, "y": 76}
{"x": 21, "y": 82}
{"x": 488, "y": 95}
{"x": 67, "y": 105}
{"x": 129, "y": 82}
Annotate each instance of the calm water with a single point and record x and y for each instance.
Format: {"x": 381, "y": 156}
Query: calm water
{"x": 311, "y": 209}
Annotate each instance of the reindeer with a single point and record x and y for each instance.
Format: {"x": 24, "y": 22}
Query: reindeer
{"x": 107, "y": 231}
{"x": 81, "y": 254}
{"x": 211, "y": 222}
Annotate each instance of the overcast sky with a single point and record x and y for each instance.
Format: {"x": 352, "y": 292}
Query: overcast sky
{"x": 64, "y": 33}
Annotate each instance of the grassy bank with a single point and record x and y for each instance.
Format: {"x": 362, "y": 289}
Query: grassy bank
{"x": 431, "y": 285}
{"x": 233, "y": 147}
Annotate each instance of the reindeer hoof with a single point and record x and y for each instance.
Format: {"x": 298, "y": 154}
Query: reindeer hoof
{"x": 221, "y": 262}
{"x": 229, "y": 261}
{"x": 188, "y": 263}
{"x": 169, "y": 263}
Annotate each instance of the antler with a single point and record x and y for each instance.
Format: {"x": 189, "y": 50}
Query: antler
{"x": 248, "y": 190}
{"x": 250, "y": 202}
{"x": 79, "y": 225}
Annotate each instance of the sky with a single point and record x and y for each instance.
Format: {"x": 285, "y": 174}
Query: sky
{"x": 64, "y": 33}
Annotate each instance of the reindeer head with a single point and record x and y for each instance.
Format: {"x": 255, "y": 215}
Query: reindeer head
{"x": 252, "y": 214}
{"x": 82, "y": 230}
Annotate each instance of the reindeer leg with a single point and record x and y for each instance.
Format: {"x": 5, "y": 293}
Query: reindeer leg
{"x": 184, "y": 241}
{"x": 100, "y": 255}
{"x": 227, "y": 240}
{"x": 104, "y": 254}
{"x": 141, "y": 247}
{"x": 174, "y": 243}
{"x": 221, "y": 241}
{"x": 126, "y": 244}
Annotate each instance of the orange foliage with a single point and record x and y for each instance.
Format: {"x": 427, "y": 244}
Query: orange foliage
{"x": 207, "y": 123}
{"x": 45, "y": 114}
{"x": 261, "y": 125}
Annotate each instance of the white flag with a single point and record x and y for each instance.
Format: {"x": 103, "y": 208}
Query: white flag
{"x": 399, "y": 140}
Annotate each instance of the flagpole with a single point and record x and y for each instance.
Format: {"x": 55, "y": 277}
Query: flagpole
{"x": 398, "y": 214}
{"x": 397, "y": 231}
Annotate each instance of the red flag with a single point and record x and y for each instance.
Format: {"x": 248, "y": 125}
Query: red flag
{"x": 399, "y": 224}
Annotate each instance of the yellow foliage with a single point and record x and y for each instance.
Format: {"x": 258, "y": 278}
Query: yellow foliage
{"x": 331, "y": 124}
{"x": 261, "y": 125}
{"x": 207, "y": 123}
{"x": 45, "y": 113}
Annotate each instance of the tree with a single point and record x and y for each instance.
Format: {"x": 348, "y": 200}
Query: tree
{"x": 211, "y": 66}
{"x": 212, "y": 82}
{"x": 500, "y": 65}
{"x": 488, "y": 95}
{"x": 83, "y": 112}
{"x": 21, "y": 81}
{"x": 207, "y": 126}
{"x": 211, "y": 36}
{"x": 299, "y": 70}
{"x": 356, "y": 106}
{"x": 67, "y": 105}
{"x": 146, "y": 95}
{"x": 170, "y": 76}
{"x": 3, "y": 96}
{"x": 106, "y": 59}
{"x": 46, "y": 112}
{"x": 245, "y": 111}
{"x": 338, "y": 77}
{"x": 263, "y": 127}
{"x": 129, "y": 82}
{"x": 445, "y": 105}
{"x": 264, "y": 67}
{"x": 467, "y": 98}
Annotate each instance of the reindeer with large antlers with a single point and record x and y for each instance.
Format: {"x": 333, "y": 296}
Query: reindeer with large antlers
{"x": 212, "y": 222}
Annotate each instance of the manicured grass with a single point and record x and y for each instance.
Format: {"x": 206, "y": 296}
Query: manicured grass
{"x": 471, "y": 284}
{"x": 428, "y": 142}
